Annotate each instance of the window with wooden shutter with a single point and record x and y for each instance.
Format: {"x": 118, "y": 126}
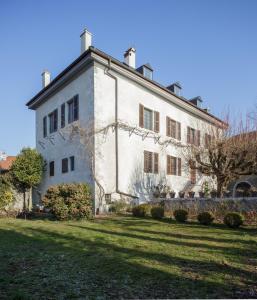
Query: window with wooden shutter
{"x": 156, "y": 163}
{"x": 179, "y": 166}
{"x": 173, "y": 165}
{"x": 141, "y": 115}
{"x": 73, "y": 109}
{"x": 172, "y": 128}
{"x": 156, "y": 121}
{"x": 53, "y": 121}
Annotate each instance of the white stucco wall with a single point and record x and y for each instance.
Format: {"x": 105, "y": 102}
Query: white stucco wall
{"x": 58, "y": 145}
{"x": 96, "y": 92}
{"x": 131, "y": 178}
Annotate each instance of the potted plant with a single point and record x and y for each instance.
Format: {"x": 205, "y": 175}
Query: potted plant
{"x": 156, "y": 191}
{"x": 191, "y": 194}
{"x": 226, "y": 193}
{"x": 201, "y": 194}
{"x": 181, "y": 194}
{"x": 172, "y": 193}
{"x": 164, "y": 191}
{"x": 253, "y": 191}
{"x": 213, "y": 193}
{"x": 205, "y": 189}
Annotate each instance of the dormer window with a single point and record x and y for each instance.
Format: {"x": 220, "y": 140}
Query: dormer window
{"x": 197, "y": 101}
{"x": 175, "y": 88}
{"x": 146, "y": 70}
{"x": 147, "y": 73}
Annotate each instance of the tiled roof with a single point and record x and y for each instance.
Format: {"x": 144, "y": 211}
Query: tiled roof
{"x": 5, "y": 165}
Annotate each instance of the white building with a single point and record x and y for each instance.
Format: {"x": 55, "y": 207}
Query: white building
{"x": 139, "y": 127}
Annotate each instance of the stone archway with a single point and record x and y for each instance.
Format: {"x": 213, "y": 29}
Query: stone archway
{"x": 242, "y": 189}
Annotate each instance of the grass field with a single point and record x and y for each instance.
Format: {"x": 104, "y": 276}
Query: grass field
{"x": 125, "y": 257}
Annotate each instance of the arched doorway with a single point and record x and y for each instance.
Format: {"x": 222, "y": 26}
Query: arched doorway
{"x": 242, "y": 189}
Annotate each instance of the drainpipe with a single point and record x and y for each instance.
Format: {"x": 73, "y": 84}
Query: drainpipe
{"x": 107, "y": 72}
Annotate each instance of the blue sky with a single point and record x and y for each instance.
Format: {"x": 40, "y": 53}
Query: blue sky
{"x": 209, "y": 46}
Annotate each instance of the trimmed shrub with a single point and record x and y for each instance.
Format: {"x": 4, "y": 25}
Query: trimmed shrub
{"x": 233, "y": 220}
{"x": 205, "y": 218}
{"x": 69, "y": 201}
{"x": 118, "y": 207}
{"x": 140, "y": 210}
{"x": 157, "y": 212}
{"x": 180, "y": 215}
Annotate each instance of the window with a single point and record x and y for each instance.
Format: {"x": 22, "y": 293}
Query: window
{"x": 72, "y": 163}
{"x": 149, "y": 119}
{"x": 63, "y": 115}
{"x": 73, "y": 109}
{"x": 108, "y": 198}
{"x": 173, "y": 165}
{"x": 151, "y": 162}
{"x": 177, "y": 90}
{"x": 45, "y": 127}
{"x": 51, "y": 168}
{"x": 173, "y": 128}
{"x": 53, "y": 121}
{"x": 193, "y": 136}
{"x": 148, "y": 73}
{"x": 65, "y": 167}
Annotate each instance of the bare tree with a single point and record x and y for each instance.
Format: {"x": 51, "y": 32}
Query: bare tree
{"x": 227, "y": 151}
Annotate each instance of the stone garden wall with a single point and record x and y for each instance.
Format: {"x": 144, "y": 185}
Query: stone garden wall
{"x": 219, "y": 207}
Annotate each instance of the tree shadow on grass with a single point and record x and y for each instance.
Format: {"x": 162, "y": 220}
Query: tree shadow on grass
{"x": 46, "y": 264}
{"x": 226, "y": 249}
{"x": 250, "y": 243}
{"x": 190, "y": 224}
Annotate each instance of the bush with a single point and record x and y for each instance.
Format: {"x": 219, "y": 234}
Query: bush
{"x": 205, "y": 218}
{"x": 6, "y": 194}
{"x": 233, "y": 220}
{"x": 157, "y": 212}
{"x": 140, "y": 210}
{"x": 118, "y": 206}
{"x": 180, "y": 215}
{"x": 69, "y": 201}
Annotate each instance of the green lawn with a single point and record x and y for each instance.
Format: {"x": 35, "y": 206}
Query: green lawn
{"x": 125, "y": 257}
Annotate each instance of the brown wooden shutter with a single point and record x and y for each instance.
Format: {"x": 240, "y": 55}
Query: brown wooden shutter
{"x": 178, "y": 131}
{"x": 150, "y": 161}
{"x": 141, "y": 115}
{"x": 145, "y": 161}
{"x": 193, "y": 173}
{"x": 156, "y": 121}
{"x": 198, "y": 138}
{"x": 179, "y": 166}
{"x": 167, "y": 127}
{"x": 168, "y": 165}
{"x": 188, "y": 135}
{"x": 156, "y": 163}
